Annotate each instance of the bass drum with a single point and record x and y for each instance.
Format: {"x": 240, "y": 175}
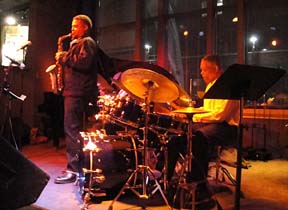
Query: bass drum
{"x": 117, "y": 158}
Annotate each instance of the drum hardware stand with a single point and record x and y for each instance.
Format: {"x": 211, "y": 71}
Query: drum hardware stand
{"x": 92, "y": 148}
{"x": 145, "y": 170}
{"x": 165, "y": 152}
{"x": 165, "y": 168}
{"x": 163, "y": 148}
{"x": 184, "y": 184}
{"x": 163, "y": 141}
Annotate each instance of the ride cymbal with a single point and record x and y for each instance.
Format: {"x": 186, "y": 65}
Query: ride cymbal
{"x": 142, "y": 82}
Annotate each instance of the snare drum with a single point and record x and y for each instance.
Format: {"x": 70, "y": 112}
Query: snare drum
{"x": 166, "y": 123}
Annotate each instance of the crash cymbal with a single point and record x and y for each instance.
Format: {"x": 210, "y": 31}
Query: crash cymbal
{"x": 140, "y": 80}
{"x": 120, "y": 86}
{"x": 190, "y": 110}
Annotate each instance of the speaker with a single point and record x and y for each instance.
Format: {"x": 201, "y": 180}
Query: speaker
{"x": 21, "y": 182}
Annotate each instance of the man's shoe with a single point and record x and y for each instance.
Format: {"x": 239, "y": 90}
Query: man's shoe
{"x": 67, "y": 177}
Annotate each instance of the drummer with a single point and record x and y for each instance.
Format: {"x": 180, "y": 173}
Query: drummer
{"x": 220, "y": 123}
{"x": 216, "y": 127}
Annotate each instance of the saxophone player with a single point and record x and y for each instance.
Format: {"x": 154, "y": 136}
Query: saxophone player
{"x": 80, "y": 87}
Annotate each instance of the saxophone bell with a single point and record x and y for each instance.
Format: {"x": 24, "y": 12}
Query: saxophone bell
{"x": 50, "y": 68}
{"x": 55, "y": 71}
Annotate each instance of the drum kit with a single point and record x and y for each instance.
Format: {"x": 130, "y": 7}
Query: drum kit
{"x": 130, "y": 155}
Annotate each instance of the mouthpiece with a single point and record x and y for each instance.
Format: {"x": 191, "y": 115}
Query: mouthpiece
{"x": 61, "y": 38}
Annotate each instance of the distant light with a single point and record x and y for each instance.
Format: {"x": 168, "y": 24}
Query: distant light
{"x": 204, "y": 15}
{"x": 219, "y": 12}
{"x": 147, "y": 46}
{"x": 219, "y": 3}
{"x": 274, "y": 43}
{"x": 201, "y": 33}
{"x": 235, "y": 20}
{"x": 10, "y": 20}
{"x": 264, "y": 49}
{"x": 185, "y": 33}
{"x": 253, "y": 39}
{"x": 203, "y": 4}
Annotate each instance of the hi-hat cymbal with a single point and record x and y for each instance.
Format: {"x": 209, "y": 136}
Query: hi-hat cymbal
{"x": 140, "y": 81}
{"x": 184, "y": 98}
{"x": 190, "y": 110}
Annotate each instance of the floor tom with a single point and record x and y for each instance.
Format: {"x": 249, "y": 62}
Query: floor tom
{"x": 116, "y": 157}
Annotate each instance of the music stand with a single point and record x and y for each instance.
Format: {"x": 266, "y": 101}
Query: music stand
{"x": 243, "y": 82}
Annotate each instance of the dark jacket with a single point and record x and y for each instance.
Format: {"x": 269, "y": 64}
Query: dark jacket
{"x": 79, "y": 68}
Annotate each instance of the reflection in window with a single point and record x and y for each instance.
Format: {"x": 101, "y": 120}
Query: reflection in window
{"x": 264, "y": 20}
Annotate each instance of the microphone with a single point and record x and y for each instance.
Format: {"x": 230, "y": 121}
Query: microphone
{"x": 12, "y": 61}
{"x": 26, "y": 44}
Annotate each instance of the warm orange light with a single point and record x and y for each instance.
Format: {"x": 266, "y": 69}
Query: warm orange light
{"x": 185, "y": 33}
{"x": 274, "y": 43}
{"x": 235, "y": 19}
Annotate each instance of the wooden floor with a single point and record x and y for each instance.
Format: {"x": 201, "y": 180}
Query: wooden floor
{"x": 264, "y": 185}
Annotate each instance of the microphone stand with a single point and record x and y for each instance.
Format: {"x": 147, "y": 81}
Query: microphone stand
{"x": 8, "y": 109}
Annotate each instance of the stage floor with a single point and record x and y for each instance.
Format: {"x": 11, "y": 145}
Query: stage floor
{"x": 264, "y": 185}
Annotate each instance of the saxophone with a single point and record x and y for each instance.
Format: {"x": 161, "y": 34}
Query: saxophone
{"x": 59, "y": 69}
{"x": 56, "y": 70}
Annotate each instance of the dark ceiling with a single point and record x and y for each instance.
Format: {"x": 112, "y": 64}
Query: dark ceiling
{"x": 7, "y": 6}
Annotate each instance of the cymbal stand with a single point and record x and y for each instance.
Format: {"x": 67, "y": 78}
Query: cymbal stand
{"x": 184, "y": 184}
{"x": 144, "y": 170}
